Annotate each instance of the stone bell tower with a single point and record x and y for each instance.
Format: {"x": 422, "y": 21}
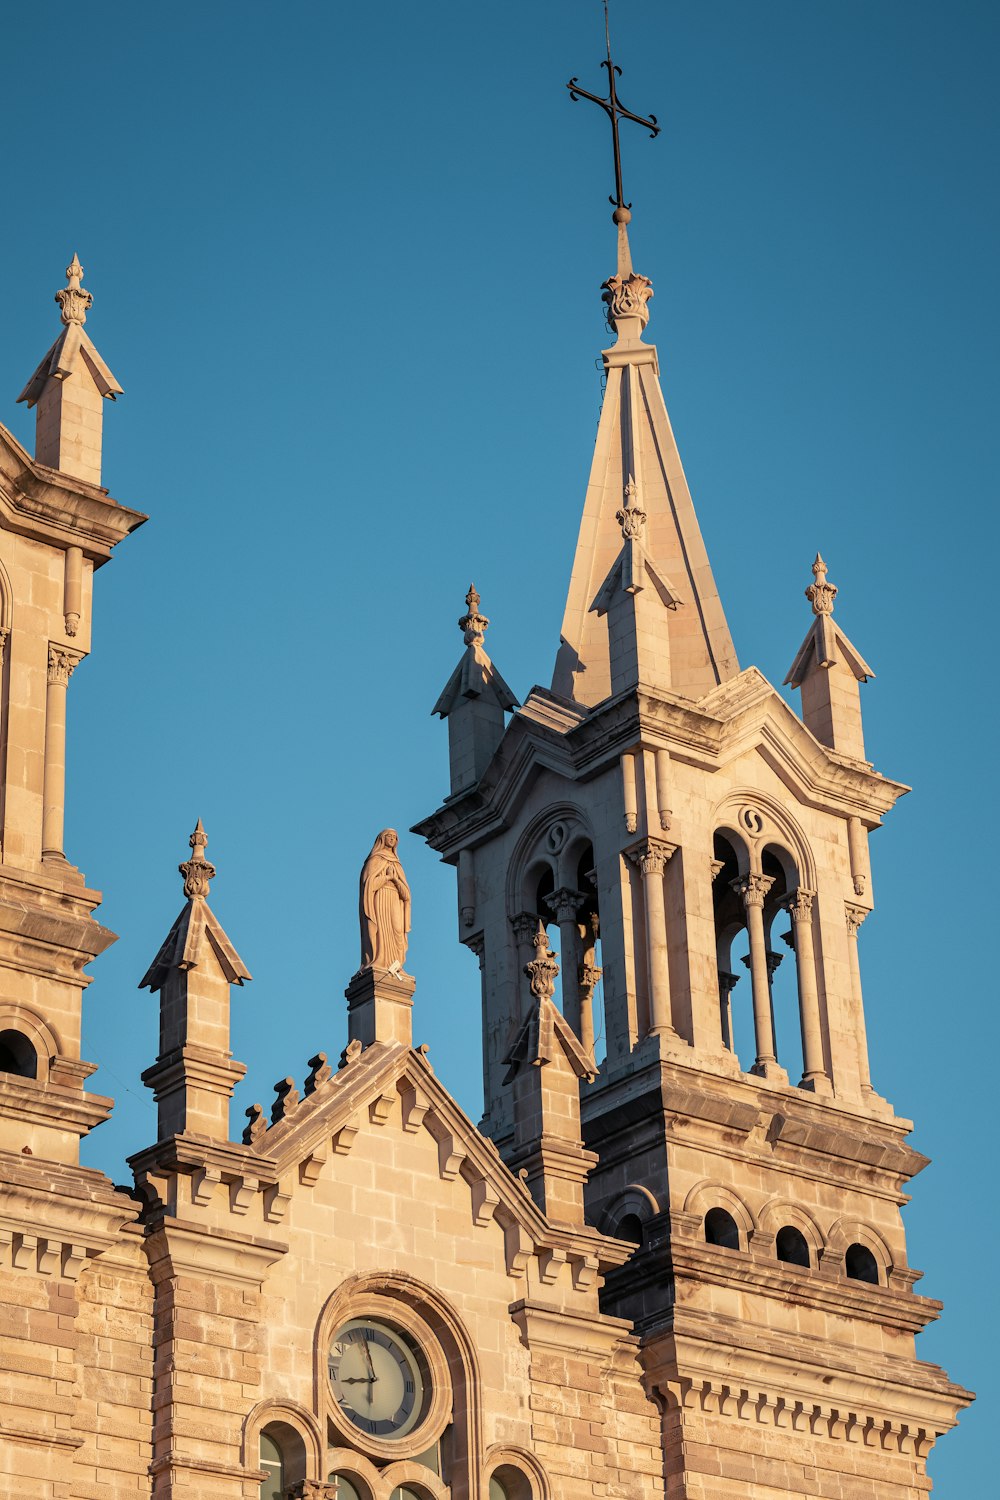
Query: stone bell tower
{"x": 651, "y": 809}
{"x": 57, "y": 525}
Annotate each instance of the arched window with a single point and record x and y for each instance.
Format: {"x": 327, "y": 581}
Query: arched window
{"x": 283, "y": 1459}
{"x": 861, "y": 1265}
{"x": 346, "y": 1488}
{"x": 629, "y": 1227}
{"x": 272, "y": 1461}
{"x": 791, "y": 1246}
{"x": 720, "y": 1229}
{"x": 17, "y": 1055}
{"x": 508, "y": 1483}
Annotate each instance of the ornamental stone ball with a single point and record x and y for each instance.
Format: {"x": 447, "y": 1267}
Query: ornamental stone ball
{"x": 384, "y": 906}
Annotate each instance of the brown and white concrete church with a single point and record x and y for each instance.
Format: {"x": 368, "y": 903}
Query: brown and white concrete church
{"x": 673, "y": 1272}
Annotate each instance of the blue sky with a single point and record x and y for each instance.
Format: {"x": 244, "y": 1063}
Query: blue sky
{"x": 346, "y": 264}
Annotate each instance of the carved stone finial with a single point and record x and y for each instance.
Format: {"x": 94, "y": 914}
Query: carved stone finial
{"x": 821, "y": 594}
{"x": 542, "y": 969}
{"x": 257, "y": 1125}
{"x": 350, "y": 1055}
{"x": 320, "y": 1074}
{"x": 631, "y": 518}
{"x": 627, "y": 297}
{"x": 73, "y": 300}
{"x": 197, "y": 870}
{"x": 287, "y": 1097}
{"x": 472, "y": 622}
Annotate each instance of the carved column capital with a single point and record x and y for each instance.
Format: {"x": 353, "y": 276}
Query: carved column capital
{"x": 727, "y": 982}
{"x": 799, "y": 905}
{"x": 589, "y": 976}
{"x": 773, "y": 962}
{"x": 476, "y": 943}
{"x": 651, "y": 855}
{"x": 855, "y": 916}
{"x": 62, "y": 664}
{"x": 524, "y": 925}
{"x": 565, "y": 903}
{"x": 752, "y": 888}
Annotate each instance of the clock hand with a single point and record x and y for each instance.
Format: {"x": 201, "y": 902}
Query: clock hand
{"x": 358, "y": 1379}
{"x": 368, "y": 1357}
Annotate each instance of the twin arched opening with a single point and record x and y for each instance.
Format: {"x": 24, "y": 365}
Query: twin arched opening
{"x": 553, "y": 883}
{"x": 762, "y": 876}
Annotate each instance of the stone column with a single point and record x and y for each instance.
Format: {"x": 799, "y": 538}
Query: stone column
{"x": 855, "y": 916}
{"x": 589, "y": 974}
{"x": 752, "y": 889}
{"x": 814, "y": 1074}
{"x": 61, "y": 666}
{"x": 565, "y": 905}
{"x": 651, "y": 857}
{"x": 727, "y": 983}
{"x": 476, "y": 943}
{"x": 525, "y": 925}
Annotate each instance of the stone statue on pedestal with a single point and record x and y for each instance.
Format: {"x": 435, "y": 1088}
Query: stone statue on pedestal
{"x": 384, "y": 906}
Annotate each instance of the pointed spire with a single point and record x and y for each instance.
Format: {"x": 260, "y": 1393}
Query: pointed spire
{"x": 194, "y": 1075}
{"x": 828, "y": 668}
{"x": 184, "y": 945}
{"x": 69, "y": 388}
{"x": 636, "y": 456}
{"x": 474, "y": 701}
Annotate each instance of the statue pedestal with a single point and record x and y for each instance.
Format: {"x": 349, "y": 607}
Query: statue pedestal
{"x": 379, "y": 1006}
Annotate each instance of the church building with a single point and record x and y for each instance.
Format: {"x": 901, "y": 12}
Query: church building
{"x": 666, "y": 1262}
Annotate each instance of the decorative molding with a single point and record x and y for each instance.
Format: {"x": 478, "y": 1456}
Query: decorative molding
{"x": 869, "y": 1430}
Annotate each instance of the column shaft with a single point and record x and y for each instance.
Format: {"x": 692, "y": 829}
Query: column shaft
{"x": 753, "y": 888}
{"x": 651, "y": 857}
{"x": 855, "y": 916}
{"x": 60, "y": 670}
{"x": 799, "y": 908}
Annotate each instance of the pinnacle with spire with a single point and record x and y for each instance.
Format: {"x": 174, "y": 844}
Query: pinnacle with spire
{"x": 828, "y": 669}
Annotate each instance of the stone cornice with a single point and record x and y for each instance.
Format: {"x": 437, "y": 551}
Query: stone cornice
{"x": 701, "y": 1343}
{"x": 699, "y": 1264}
{"x": 50, "y": 506}
{"x": 178, "y": 1247}
{"x": 744, "y": 712}
{"x": 47, "y": 1104}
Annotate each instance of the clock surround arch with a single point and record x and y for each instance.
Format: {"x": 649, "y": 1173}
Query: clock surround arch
{"x": 426, "y": 1317}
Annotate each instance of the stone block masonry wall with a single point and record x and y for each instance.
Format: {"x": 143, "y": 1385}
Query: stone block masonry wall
{"x": 113, "y": 1397}
{"x": 75, "y": 1378}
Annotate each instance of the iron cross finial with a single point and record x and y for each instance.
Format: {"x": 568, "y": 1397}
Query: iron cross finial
{"x": 615, "y": 111}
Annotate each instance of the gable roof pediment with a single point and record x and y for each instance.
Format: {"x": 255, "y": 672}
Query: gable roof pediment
{"x": 360, "y": 1097}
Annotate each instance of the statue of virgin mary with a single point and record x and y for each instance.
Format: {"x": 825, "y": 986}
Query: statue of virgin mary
{"x": 384, "y": 904}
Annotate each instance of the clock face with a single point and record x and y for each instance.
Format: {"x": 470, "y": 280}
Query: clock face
{"x": 376, "y": 1376}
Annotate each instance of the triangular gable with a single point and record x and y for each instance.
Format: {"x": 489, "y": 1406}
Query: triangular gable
{"x": 72, "y": 348}
{"x": 633, "y": 569}
{"x": 184, "y": 947}
{"x": 474, "y": 677}
{"x": 361, "y": 1095}
{"x": 542, "y": 1034}
{"x": 821, "y": 645}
